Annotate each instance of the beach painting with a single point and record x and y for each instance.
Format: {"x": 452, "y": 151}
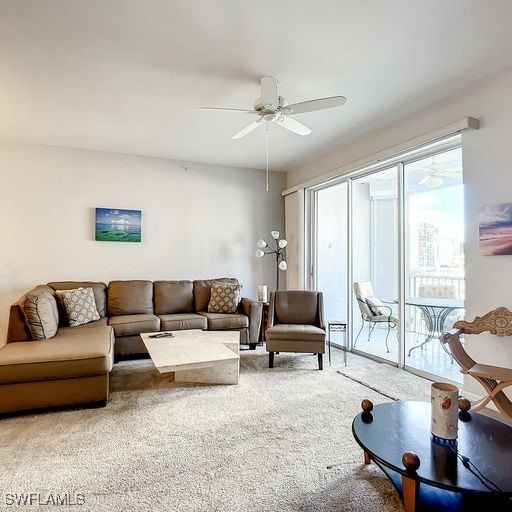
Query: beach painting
{"x": 115, "y": 225}
{"x": 496, "y": 229}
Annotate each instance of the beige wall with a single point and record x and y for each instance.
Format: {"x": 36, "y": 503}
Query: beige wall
{"x": 487, "y": 156}
{"x": 199, "y": 223}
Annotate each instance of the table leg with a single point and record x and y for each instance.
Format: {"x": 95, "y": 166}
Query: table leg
{"x": 410, "y": 488}
{"x": 367, "y": 459}
{"x": 442, "y": 320}
{"x": 329, "y": 344}
{"x": 430, "y": 318}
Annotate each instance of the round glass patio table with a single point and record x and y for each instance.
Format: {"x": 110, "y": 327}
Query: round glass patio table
{"x": 436, "y": 311}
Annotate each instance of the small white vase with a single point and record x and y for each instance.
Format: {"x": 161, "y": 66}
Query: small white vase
{"x": 262, "y": 293}
{"x": 444, "y": 421}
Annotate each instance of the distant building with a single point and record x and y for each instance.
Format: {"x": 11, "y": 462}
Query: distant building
{"x": 428, "y": 250}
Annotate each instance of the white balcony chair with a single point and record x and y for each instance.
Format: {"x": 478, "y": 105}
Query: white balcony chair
{"x": 373, "y": 310}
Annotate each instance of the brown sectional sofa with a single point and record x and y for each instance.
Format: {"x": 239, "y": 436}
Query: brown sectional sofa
{"x": 73, "y": 367}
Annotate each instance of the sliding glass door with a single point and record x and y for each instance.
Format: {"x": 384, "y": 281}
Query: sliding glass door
{"x": 330, "y": 270}
{"x": 375, "y": 264}
{"x": 387, "y": 251}
{"x": 434, "y": 259}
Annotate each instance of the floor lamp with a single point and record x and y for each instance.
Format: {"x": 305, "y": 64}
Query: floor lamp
{"x": 265, "y": 249}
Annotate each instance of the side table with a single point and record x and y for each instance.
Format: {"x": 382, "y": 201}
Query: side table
{"x": 337, "y": 326}
{"x": 264, "y": 322}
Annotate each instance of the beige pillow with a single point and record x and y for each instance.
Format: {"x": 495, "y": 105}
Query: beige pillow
{"x": 41, "y": 315}
{"x": 224, "y": 298}
{"x": 79, "y": 305}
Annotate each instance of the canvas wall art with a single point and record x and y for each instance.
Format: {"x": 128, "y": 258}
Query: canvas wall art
{"x": 496, "y": 229}
{"x": 115, "y": 225}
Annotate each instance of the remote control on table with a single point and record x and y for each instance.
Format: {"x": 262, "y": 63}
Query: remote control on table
{"x": 162, "y": 335}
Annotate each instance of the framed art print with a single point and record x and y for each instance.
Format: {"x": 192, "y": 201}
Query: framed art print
{"x": 495, "y": 229}
{"x": 116, "y": 225}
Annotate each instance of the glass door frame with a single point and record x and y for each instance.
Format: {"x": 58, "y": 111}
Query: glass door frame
{"x": 310, "y": 254}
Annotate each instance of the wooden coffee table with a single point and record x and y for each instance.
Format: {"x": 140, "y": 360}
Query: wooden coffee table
{"x": 209, "y": 357}
{"x": 444, "y": 480}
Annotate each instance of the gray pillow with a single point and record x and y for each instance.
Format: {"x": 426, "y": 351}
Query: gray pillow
{"x": 40, "y": 311}
{"x": 377, "y": 306}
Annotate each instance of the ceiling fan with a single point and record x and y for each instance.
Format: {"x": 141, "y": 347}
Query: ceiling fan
{"x": 270, "y": 107}
{"x": 435, "y": 173}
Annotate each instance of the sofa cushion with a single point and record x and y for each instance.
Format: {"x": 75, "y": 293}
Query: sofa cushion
{"x": 79, "y": 305}
{"x": 127, "y": 325}
{"x": 130, "y": 298}
{"x": 224, "y": 298}
{"x": 223, "y": 322}
{"x": 99, "y": 289}
{"x": 180, "y": 322}
{"x": 295, "y": 332}
{"x": 173, "y": 297}
{"x": 202, "y": 291}
{"x": 40, "y": 311}
{"x": 75, "y": 352}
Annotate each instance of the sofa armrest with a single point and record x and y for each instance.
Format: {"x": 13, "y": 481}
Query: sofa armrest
{"x": 17, "y": 329}
{"x": 253, "y": 309}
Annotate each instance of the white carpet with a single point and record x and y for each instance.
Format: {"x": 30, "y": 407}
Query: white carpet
{"x": 279, "y": 441}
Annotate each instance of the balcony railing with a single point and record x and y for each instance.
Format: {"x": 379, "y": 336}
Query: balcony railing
{"x": 417, "y": 280}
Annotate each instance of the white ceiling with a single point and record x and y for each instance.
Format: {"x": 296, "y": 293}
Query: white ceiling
{"x": 126, "y": 75}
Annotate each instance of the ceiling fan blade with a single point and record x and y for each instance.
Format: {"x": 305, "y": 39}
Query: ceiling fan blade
{"x": 312, "y": 105}
{"x": 432, "y": 180}
{"x": 293, "y": 126}
{"x": 451, "y": 173}
{"x": 231, "y": 110}
{"x": 269, "y": 91}
{"x": 247, "y": 129}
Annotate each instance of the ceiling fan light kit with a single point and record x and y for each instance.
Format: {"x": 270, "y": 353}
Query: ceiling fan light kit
{"x": 271, "y": 107}
{"x": 435, "y": 173}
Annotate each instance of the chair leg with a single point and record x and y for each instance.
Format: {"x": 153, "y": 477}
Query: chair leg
{"x": 362, "y": 325}
{"x": 370, "y": 329}
{"x": 320, "y": 361}
{"x": 271, "y": 359}
{"x": 387, "y": 335}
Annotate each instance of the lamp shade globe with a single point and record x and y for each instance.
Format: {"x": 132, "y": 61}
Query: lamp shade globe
{"x": 261, "y": 243}
{"x": 283, "y": 265}
{"x": 259, "y": 253}
{"x": 433, "y": 181}
{"x": 275, "y": 234}
{"x": 282, "y": 243}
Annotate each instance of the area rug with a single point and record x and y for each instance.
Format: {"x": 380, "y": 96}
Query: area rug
{"x": 386, "y": 379}
{"x": 281, "y": 440}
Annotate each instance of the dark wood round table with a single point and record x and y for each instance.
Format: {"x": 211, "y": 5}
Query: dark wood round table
{"x": 477, "y": 473}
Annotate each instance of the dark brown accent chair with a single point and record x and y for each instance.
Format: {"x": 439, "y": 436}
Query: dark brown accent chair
{"x": 296, "y": 324}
